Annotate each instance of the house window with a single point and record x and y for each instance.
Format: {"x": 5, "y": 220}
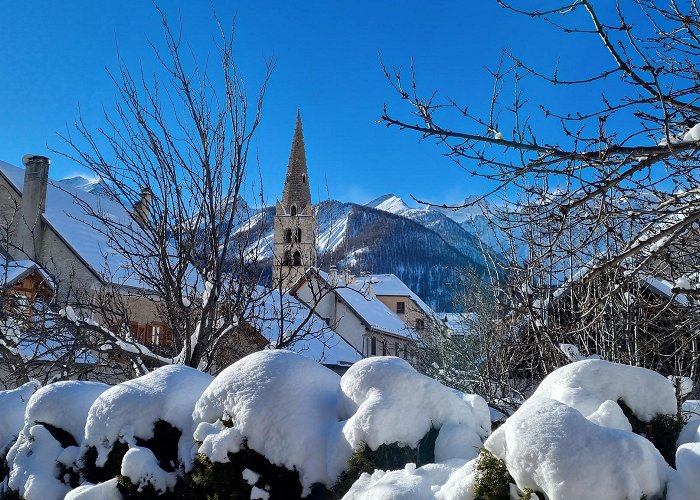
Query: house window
{"x": 303, "y": 178}
{"x": 288, "y": 236}
{"x": 405, "y": 351}
{"x": 396, "y": 349}
{"x": 294, "y": 209}
{"x": 384, "y": 353}
{"x": 297, "y": 258}
{"x": 400, "y": 307}
{"x": 156, "y": 334}
{"x": 297, "y": 235}
{"x": 420, "y": 324}
{"x": 373, "y": 350}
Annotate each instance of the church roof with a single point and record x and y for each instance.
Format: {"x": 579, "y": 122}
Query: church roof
{"x": 296, "y": 186}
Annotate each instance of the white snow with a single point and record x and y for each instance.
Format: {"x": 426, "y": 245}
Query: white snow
{"x": 130, "y": 409}
{"x": 250, "y": 477}
{"x": 103, "y": 491}
{"x": 693, "y": 134}
{"x": 388, "y": 401}
{"x": 13, "y": 404}
{"x": 389, "y": 203}
{"x": 451, "y": 480}
{"x": 283, "y": 404}
{"x": 34, "y": 467}
{"x": 684, "y": 485}
{"x": 33, "y": 458}
{"x": 140, "y": 465}
{"x": 586, "y": 385}
{"x": 551, "y": 447}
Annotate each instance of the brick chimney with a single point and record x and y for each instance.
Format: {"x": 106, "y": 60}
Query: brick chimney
{"x": 30, "y": 229}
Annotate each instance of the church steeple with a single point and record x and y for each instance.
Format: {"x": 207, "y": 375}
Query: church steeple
{"x": 295, "y": 224}
{"x": 296, "y": 196}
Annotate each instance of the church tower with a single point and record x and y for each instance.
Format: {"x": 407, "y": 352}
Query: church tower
{"x": 295, "y": 224}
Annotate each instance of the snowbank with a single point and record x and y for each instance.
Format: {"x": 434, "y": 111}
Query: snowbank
{"x": 551, "y": 447}
{"x": 13, "y": 404}
{"x": 444, "y": 481}
{"x": 35, "y": 457}
{"x": 282, "y": 403}
{"x": 131, "y": 409}
{"x": 386, "y": 401}
{"x": 586, "y": 385}
{"x": 684, "y": 485}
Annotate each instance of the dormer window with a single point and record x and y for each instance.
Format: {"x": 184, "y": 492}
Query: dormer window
{"x": 288, "y": 236}
{"x": 294, "y": 210}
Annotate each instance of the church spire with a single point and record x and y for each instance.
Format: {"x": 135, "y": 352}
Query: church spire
{"x": 296, "y": 192}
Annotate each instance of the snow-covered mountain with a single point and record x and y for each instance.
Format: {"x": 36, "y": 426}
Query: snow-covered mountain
{"x": 426, "y": 249}
{"x": 94, "y": 186}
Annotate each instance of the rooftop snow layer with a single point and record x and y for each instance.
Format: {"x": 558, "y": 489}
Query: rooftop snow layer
{"x": 390, "y": 284}
{"x": 68, "y": 219}
{"x": 318, "y": 341}
{"x": 370, "y": 309}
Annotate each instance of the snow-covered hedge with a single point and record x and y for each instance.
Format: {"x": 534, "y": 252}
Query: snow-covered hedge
{"x": 276, "y": 424}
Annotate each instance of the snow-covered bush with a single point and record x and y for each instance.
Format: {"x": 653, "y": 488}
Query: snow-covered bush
{"x": 283, "y": 406}
{"x": 12, "y": 406}
{"x": 301, "y": 416}
{"x": 152, "y": 412}
{"x": 42, "y": 462}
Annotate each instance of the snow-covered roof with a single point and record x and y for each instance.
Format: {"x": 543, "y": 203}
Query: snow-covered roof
{"x": 458, "y": 323}
{"x": 11, "y": 271}
{"x": 369, "y": 309}
{"x": 64, "y": 213}
{"x": 390, "y": 284}
{"x": 317, "y": 341}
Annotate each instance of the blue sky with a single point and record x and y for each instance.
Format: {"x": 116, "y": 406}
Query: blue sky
{"x": 54, "y": 55}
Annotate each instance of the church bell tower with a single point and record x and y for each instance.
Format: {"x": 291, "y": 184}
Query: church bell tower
{"x": 295, "y": 224}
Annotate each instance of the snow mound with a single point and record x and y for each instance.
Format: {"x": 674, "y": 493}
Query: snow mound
{"x": 141, "y": 466}
{"x": 586, "y": 385}
{"x": 282, "y": 403}
{"x": 388, "y": 401}
{"x": 551, "y": 447}
{"x": 685, "y": 483}
{"x": 64, "y": 405}
{"x": 33, "y": 460}
{"x": 103, "y": 491}
{"x": 131, "y": 409}
{"x": 13, "y": 404}
{"x": 444, "y": 481}
{"x": 34, "y": 467}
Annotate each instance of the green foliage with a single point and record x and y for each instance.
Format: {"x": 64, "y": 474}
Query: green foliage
{"x": 10, "y": 495}
{"x": 163, "y": 444}
{"x": 112, "y": 467}
{"x": 665, "y": 430}
{"x": 129, "y": 491}
{"x": 64, "y": 438}
{"x": 67, "y": 475}
{"x": 662, "y": 431}
{"x": 426, "y": 447}
{"x": 387, "y": 457}
{"x": 492, "y": 478}
{"x": 224, "y": 481}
